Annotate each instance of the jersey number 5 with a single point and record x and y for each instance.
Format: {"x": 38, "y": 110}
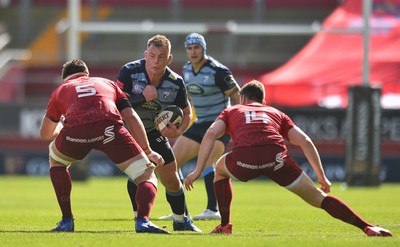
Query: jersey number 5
{"x": 85, "y": 90}
{"x": 251, "y": 116}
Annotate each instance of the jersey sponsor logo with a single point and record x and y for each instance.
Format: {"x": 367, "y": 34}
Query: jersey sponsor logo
{"x": 160, "y": 139}
{"x": 255, "y": 167}
{"x": 108, "y": 132}
{"x": 138, "y": 86}
{"x": 279, "y": 161}
{"x": 172, "y": 76}
{"x": 230, "y": 81}
{"x": 84, "y": 140}
{"x": 277, "y": 164}
{"x": 153, "y": 106}
{"x": 195, "y": 89}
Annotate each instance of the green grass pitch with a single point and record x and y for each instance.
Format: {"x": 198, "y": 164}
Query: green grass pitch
{"x": 264, "y": 214}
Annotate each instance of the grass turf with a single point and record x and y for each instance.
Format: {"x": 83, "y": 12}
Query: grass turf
{"x": 263, "y": 215}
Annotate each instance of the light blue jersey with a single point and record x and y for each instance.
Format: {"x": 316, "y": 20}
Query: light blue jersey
{"x": 206, "y": 88}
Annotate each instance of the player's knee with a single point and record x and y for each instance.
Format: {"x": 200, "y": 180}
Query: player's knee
{"x": 138, "y": 168}
{"x": 148, "y": 176}
{"x": 153, "y": 179}
{"x": 55, "y": 159}
{"x": 171, "y": 183}
{"x": 220, "y": 166}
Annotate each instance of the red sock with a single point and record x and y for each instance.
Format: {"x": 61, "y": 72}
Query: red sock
{"x": 339, "y": 210}
{"x": 145, "y": 196}
{"x": 224, "y": 194}
{"x": 62, "y": 185}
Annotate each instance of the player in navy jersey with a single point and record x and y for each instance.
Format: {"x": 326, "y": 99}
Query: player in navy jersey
{"x": 212, "y": 88}
{"x": 91, "y": 111}
{"x": 152, "y": 85}
{"x": 258, "y": 132}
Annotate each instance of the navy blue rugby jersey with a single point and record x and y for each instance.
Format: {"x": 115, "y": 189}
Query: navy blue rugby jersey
{"x": 133, "y": 78}
{"x": 206, "y": 88}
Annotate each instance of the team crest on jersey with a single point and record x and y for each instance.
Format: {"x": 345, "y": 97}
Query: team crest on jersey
{"x": 166, "y": 95}
{"x": 195, "y": 89}
{"x": 186, "y": 76}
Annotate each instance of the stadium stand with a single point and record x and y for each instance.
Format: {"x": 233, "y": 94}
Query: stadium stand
{"x": 243, "y": 53}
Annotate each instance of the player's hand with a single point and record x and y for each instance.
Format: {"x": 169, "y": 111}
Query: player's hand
{"x": 170, "y": 131}
{"x": 62, "y": 120}
{"x": 189, "y": 180}
{"x": 156, "y": 158}
{"x": 149, "y": 93}
{"x": 325, "y": 184}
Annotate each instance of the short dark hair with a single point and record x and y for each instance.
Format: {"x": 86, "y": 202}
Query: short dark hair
{"x": 73, "y": 67}
{"x": 254, "y": 91}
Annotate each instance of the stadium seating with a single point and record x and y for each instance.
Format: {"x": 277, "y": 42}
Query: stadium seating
{"x": 255, "y": 55}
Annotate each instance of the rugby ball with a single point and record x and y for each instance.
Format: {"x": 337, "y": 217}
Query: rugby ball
{"x": 172, "y": 114}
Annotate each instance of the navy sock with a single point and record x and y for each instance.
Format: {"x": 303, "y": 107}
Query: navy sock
{"x": 181, "y": 178}
{"x": 177, "y": 201}
{"x": 132, "y": 188}
{"x": 209, "y": 183}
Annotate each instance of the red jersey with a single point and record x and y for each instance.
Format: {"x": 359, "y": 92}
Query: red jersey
{"x": 83, "y": 100}
{"x": 256, "y": 125}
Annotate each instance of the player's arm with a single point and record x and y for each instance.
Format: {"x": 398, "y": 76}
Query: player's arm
{"x": 187, "y": 118}
{"x": 234, "y": 94}
{"x": 135, "y": 126}
{"x": 49, "y": 129}
{"x": 301, "y": 139}
{"x": 137, "y": 130}
{"x": 137, "y": 98}
{"x": 187, "y": 111}
{"x": 171, "y": 131}
{"x": 227, "y": 83}
{"x": 216, "y": 130}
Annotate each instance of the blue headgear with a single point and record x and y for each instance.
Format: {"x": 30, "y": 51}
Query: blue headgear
{"x": 196, "y": 39}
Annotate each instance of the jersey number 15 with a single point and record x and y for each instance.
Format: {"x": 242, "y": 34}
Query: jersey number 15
{"x": 251, "y": 116}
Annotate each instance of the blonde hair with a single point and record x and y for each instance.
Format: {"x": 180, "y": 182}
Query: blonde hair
{"x": 159, "y": 41}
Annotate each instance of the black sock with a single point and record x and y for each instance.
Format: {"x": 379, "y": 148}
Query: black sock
{"x": 209, "y": 183}
{"x": 181, "y": 178}
{"x": 177, "y": 201}
{"x": 132, "y": 188}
